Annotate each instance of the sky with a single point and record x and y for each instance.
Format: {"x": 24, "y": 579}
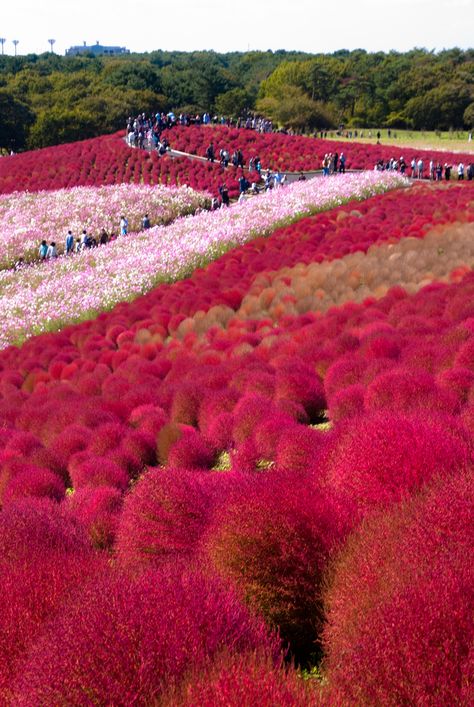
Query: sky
{"x": 235, "y": 25}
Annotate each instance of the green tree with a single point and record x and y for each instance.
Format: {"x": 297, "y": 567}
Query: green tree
{"x": 15, "y": 121}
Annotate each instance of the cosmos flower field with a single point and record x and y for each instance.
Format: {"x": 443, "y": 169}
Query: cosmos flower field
{"x": 246, "y": 474}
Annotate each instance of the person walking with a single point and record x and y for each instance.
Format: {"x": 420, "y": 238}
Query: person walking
{"x": 69, "y": 243}
{"x": 52, "y": 251}
{"x": 43, "y": 250}
{"x": 146, "y": 222}
{"x": 123, "y": 226}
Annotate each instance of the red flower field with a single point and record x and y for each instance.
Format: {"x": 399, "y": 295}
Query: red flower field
{"x": 213, "y": 486}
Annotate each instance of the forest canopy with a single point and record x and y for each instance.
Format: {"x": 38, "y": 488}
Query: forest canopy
{"x": 48, "y": 99}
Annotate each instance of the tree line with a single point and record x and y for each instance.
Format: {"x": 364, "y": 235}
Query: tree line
{"x": 49, "y": 99}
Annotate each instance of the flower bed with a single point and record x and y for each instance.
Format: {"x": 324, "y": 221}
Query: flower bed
{"x": 28, "y": 218}
{"x": 297, "y": 153}
{"x": 33, "y": 300}
{"x": 106, "y": 160}
{"x": 383, "y": 500}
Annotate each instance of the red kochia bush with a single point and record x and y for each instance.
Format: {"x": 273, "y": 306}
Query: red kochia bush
{"x": 405, "y": 389}
{"x": 44, "y": 555}
{"x": 244, "y": 681}
{"x": 191, "y": 451}
{"x": 164, "y": 516}
{"x": 33, "y": 481}
{"x": 87, "y": 470}
{"x": 400, "y": 627}
{"x": 299, "y": 448}
{"x": 272, "y": 539}
{"x": 97, "y": 509}
{"x": 126, "y": 641}
{"x": 378, "y": 459}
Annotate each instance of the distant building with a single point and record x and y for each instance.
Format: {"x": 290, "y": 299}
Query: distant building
{"x": 96, "y": 49}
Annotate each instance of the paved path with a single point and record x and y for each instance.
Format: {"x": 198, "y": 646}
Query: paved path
{"x": 290, "y": 176}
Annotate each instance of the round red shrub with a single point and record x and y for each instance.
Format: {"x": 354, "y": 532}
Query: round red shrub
{"x": 399, "y": 619}
{"x": 191, "y": 451}
{"x": 34, "y": 481}
{"x": 273, "y": 539}
{"x": 128, "y": 641}
{"x": 44, "y": 556}
{"x": 163, "y": 516}
{"x": 87, "y": 470}
{"x": 97, "y": 510}
{"x": 299, "y": 447}
{"x": 244, "y": 681}
{"x": 407, "y": 390}
{"x": 384, "y": 456}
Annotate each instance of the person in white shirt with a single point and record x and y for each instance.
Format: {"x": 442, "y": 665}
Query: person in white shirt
{"x": 52, "y": 251}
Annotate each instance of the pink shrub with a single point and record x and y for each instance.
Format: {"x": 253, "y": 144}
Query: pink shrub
{"x": 191, "y": 451}
{"x": 127, "y": 641}
{"x": 43, "y": 557}
{"x": 249, "y": 412}
{"x": 244, "y": 457}
{"x": 186, "y": 401}
{"x": 97, "y": 510}
{"x": 267, "y": 434}
{"x": 343, "y": 373}
{"x": 299, "y": 448}
{"x": 407, "y": 390}
{"x": 244, "y": 681}
{"x": 384, "y": 456}
{"x": 301, "y": 386}
{"x": 105, "y": 438}
{"x": 400, "y": 607}
{"x": 219, "y": 431}
{"x": 140, "y": 444}
{"x": 34, "y": 481}
{"x": 215, "y": 404}
{"x": 87, "y": 470}
{"x": 347, "y": 402}
{"x": 72, "y": 439}
{"x": 164, "y": 516}
{"x": 23, "y": 442}
{"x": 458, "y": 381}
{"x": 272, "y": 540}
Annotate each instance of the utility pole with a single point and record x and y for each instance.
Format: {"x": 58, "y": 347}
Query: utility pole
{"x": 15, "y": 42}
{"x": 51, "y": 41}
{"x": 2, "y": 42}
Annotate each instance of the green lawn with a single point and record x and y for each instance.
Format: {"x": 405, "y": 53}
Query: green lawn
{"x": 452, "y": 141}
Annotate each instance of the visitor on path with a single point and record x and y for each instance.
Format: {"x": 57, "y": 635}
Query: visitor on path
{"x": 123, "y": 226}
{"x": 69, "y": 243}
{"x": 210, "y": 152}
{"x": 146, "y": 222}
{"x": 224, "y": 192}
{"x": 342, "y": 163}
{"x": 104, "y": 238}
{"x": 43, "y": 250}
{"x": 419, "y": 169}
{"x": 460, "y": 171}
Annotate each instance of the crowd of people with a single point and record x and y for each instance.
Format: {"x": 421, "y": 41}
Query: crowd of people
{"x": 146, "y": 131}
{"x": 435, "y": 171}
{"x": 86, "y": 241}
